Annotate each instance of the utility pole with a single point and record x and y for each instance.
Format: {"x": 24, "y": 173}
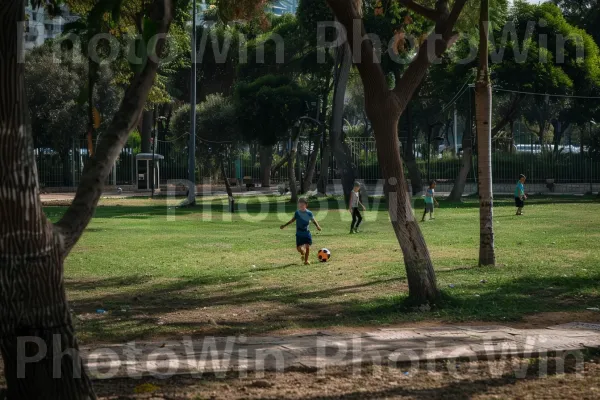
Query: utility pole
{"x": 192, "y": 141}
{"x": 154, "y": 147}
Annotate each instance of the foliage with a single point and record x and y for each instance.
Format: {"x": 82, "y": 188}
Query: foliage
{"x": 53, "y": 89}
{"x": 297, "y": 59}
{"x": 542, "y": 71}
{"x": 126, "y": 22}
{"x": 218, "y": 56}
{"x": 269, "y": 107}
{"x": 584, "y": 14}
{"x": 217, "y": 133}
{"x": 135, "y": 142}
{"x": 235, "y": 10}
{"x": 309, "y": 14}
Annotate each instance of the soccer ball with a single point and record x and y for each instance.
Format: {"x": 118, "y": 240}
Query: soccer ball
{"x": 324, "y": 255}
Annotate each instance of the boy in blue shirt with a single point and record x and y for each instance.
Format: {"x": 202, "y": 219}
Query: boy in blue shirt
{"x": 520, "y": 194}
{"x": 303, "y": 218}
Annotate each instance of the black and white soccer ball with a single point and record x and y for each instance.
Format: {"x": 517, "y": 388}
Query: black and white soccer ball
{"x": 324, "y": 255}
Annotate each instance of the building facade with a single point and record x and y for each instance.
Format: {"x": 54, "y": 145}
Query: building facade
{"x": 41, "y": 26}
{"x": 281, "y": 7}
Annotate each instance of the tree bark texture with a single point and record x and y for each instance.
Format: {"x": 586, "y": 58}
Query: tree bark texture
{"x": 266, "y": 160}
{"x": 146, "y": 133}
{"x": 292, "y": 165}
{"x": 225, "y": 178}
{"x": 483, "y": 115}
{"x": 280, "y": 163}
{"x": 341, "y": 152}
{"x": 467, "y": 162}
{"x": 33, "y": 301}
{"x": 384, "y": 108}
{"x": 325, "y": 165}
{"x": 312, "y": 165}
{"x": 414, "y": 173}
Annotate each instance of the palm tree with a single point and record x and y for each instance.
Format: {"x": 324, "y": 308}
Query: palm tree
{"x": 483, "y": 114}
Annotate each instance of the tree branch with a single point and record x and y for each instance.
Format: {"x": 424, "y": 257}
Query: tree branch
{"x": 79, "y": 214}
{"x": 509, "y": 115}
{"x": 369, "y": 68}
{"x": 281, "y": 162}
{"x": 426, "y": 12}
{"x": 442, "y": 38}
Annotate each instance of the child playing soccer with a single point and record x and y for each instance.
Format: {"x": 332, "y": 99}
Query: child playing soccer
{"x": 429, "y": 200}
{"x": 303, "y": 217}
{"x": 354, "y": 204}
{"x": 520, "y": 194}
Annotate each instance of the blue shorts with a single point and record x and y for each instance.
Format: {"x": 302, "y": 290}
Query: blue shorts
{"x": 303, "y": 239}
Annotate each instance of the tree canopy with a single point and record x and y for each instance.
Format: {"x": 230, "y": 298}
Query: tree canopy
{"x": 269, "y": 107}
{"x": 53, "y": 92}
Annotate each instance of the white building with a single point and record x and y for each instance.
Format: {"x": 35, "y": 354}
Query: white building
{"x": 281, "y": 7}
{"x": 41, "y": 26}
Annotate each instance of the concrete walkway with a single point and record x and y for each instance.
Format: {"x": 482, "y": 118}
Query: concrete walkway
{"x": 313, "y": 352}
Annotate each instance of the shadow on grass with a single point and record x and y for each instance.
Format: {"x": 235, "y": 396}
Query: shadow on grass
{"x": 217, "y": 207}
{"x": 509, "y": 201}
{"x": 254, "y": 207}
{"x": 116, "y": 282}
{"x": 242, "y": 307}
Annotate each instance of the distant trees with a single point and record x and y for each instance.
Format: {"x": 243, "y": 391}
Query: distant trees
{"x": 58, "y": 111}
{"x": 555, "y": 58}
{"x": 269, "y": 112}
{"x": 218, "y": 135}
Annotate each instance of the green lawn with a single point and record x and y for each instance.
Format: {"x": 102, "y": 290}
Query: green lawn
{"x": 207, "y": 272}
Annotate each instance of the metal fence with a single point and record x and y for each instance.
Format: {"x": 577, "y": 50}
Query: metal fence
{"x": 571, "y": 164}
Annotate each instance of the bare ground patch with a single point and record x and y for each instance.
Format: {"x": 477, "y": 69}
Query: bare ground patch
{"x": 471, "y": 380}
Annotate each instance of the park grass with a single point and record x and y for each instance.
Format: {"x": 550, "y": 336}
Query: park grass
{"x": 164, "y": 272}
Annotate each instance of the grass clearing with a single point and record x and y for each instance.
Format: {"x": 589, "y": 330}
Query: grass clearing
{"x": 210, "y": 272}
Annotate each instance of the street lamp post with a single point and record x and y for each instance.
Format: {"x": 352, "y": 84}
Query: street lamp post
{"x": 592, "y": 122}
{"x": 154, "y": 149}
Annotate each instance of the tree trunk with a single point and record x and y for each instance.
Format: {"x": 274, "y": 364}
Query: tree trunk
{"x": 225, "y": 178}
{"x": 312, "y": 165}
{"x": 325, "y": 165}
{"x": 292, "y": 167}
{"x": 341, "y": 152}
{"x": 483, "y": 110}
{"x": 384, "y": 108}
{"x": 266, "y": 160}
{"x": 422, "y": 282}
{"x": 467, "y": 162}
{"x": 414, "y": 173}
{"x": 32, "y": 295}
{"x": 280, "y": 163}
{"x": 33, "y": 305}
{"x": 146, "y": 134}
{"x": 509, "y": 117}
